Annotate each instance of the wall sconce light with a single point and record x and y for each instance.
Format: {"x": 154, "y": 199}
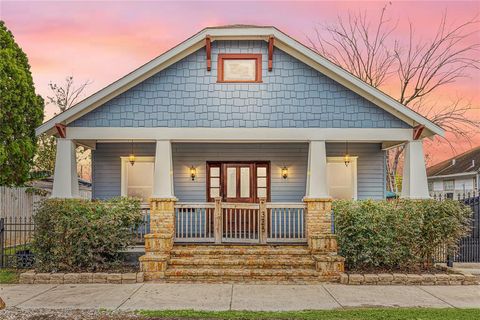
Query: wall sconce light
{"x": 284, "y": 172}
{"x": 346, "y": 157}
{"x": 131, "y": 157}
{"x": 193, "y": 172}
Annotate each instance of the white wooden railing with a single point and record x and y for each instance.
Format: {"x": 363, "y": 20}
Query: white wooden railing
{"x": 286, "y": 222}
{"x": 240, "y": 222}
{"x": 223, "y": 222}
{"x": 194, "y": 222}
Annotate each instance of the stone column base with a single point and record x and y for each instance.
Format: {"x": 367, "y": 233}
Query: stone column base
{"x": 158, "y": 243}
{"x": 329, "y": 266}
{"x": 153, "y": 266}
{"x": 326, "y": 243}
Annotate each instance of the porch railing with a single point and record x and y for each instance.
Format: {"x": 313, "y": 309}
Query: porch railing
{"x": 223, "y": 222}
{"x": 287, "y": 222}
{"x": 240, "y": 222}
{"x": 141, "y": 230}
{"x": 194, "y": 222}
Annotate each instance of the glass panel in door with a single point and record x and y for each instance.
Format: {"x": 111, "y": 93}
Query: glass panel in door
{"x": 231, "y": 182}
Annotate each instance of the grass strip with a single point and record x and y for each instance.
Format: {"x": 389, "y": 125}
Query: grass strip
{"x": 343, "y": 314}
{"x": 8, "y": 276}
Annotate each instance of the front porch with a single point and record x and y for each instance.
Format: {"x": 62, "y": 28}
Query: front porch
{"x": 260, "y": 195}
{"x": 229, "y": 242}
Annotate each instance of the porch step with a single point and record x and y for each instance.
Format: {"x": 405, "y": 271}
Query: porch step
{"x": 196, "y": 250}
{"x": 236, "y": 263}
{"x": 241, "y": 263}
{"x": 241, "y": 275}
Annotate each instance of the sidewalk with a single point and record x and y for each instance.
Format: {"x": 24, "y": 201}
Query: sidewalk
{"x": 160, "y": 296}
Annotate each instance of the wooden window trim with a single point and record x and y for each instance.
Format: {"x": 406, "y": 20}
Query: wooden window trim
{"x": 240, "y": 56}
{"x": 209, "y": 165}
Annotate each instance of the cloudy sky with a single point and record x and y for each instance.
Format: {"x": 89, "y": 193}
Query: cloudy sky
{"x": 101, "y": 41}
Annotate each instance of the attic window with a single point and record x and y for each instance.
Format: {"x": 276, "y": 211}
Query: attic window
{"x": 239, "y": 68}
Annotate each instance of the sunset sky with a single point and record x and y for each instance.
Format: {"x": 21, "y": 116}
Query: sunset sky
{"x": 101, "y": 41}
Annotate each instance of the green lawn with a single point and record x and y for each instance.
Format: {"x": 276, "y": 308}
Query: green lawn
{"x": 8, "y": 276}
{"x": 351, "y": 314}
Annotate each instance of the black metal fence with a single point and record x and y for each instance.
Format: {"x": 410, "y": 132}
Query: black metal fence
{"x": 16, "y": 234}
{"x": 469, "y": 247}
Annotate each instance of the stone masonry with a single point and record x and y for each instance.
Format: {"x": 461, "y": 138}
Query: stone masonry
{"x": 318, "y": 261}
{"x": 159, "y": 243}
{"x": 321, "y": 241}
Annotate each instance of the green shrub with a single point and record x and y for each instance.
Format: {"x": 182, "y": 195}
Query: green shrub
{"x": 402, "y": 234}
{"x": 83, "y": 235}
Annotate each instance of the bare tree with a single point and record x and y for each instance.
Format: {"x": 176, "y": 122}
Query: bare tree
{"x": 64, "y": 96}
{"x": 67, "y": 94}
{"x": 368, "y": 49}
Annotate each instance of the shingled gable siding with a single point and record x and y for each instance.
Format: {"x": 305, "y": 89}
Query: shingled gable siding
{"x": 292, "y": 95}
{"x": 370, "y": 171}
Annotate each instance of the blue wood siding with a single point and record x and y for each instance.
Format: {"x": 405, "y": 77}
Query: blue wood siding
{"x": 106, "y": 166}
{"x": 292, "y": 95}
{"x": 370, "y": 172}
{"x": 292, "y": 155}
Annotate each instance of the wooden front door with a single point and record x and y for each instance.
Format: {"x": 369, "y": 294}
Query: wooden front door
{"x": 240, "y": 185}
{"x": 239, "y": 182}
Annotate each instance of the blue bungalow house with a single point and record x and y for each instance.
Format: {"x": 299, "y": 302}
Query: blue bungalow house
{"x": 240, "y": 135}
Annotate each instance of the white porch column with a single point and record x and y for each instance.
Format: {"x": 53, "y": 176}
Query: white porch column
{"x": 414, "y": 182}
{"x": 65, "y": 179}
{"x": 317, "y": 186}
{"x": 163, "y": 172}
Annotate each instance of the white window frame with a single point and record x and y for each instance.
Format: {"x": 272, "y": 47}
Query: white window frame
{"x": 445, "y": 183}
{"x": 124, "y": 177}
{"x": 353, "y": 163}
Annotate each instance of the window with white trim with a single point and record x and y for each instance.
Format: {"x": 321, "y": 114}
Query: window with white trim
{"x": 137, "y": 179}
{"x": 448, "y": 185}
{"x": 342, "y": 179}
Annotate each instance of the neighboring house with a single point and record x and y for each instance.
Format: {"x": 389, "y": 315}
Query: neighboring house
{"x": 84, "y": 187}
{"x": 239, "y": 134}
{"x": 455, "y": 177}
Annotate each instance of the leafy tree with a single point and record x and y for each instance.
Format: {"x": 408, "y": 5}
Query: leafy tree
{"x": 21, "y": 111}
{"x": 46, "y": 153}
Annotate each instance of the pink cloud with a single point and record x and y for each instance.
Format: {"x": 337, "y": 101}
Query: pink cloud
{"x": 103, "y": 40}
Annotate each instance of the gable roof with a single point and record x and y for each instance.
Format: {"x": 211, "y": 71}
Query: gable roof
{"x": 468, "y": 161}
{"x": 243, "y": 32}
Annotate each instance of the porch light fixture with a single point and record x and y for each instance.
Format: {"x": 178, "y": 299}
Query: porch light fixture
{"x": 284, "y": 172}
{"x": 131, "y": 157}
{"x": 193, "y": 172}
{"x": 346, "y": 157}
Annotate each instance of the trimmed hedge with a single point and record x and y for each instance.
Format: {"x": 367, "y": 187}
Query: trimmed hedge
{"x": 401, "y": 234}
{"x": 83, "y": 235}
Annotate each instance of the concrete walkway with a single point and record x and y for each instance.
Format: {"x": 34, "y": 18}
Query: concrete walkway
{"x": 160, "y": 296}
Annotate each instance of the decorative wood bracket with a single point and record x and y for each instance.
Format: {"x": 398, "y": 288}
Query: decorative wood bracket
{"x": 61, "y": 129}
{"x": 417, "y": 131}
{"x": 208, "y": 46}
{"x": 270, "y": 53}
